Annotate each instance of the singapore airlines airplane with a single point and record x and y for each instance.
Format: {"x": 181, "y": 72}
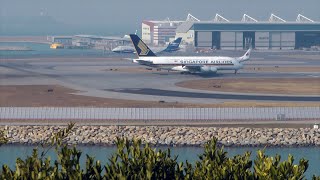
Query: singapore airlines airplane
{"x": 172, "y": 47}
{"x": 192, "y": 64}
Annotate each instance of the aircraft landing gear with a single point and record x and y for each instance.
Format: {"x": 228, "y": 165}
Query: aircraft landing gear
{"x": 183, "y": 72}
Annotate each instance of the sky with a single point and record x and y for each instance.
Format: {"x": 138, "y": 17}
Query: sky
{"x": 125, "y": 16}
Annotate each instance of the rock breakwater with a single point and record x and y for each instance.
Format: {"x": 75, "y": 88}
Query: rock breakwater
{"x": 165, "y": 135}
{"x": 14, "y": 48}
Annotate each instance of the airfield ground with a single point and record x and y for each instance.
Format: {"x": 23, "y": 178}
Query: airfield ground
{"x": 111, "y": 80}
{"x": 285, "y": 86}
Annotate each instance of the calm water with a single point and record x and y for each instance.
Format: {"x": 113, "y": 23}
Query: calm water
{"x": 43, "y": 50}
{"x": 9, "y": 153}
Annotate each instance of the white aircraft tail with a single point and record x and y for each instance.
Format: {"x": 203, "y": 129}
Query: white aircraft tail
{"x": 246, "y": 56}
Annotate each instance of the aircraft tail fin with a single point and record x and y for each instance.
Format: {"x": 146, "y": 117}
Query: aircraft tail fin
{"x": 173, "y": 46}
{"x": 246, "y": 56}
{"x": 141, "y": 48}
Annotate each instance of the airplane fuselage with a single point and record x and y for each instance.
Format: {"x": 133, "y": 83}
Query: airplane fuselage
{"x": 194, "y": 63}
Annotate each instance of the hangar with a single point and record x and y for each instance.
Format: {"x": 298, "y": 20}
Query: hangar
{"x": 276, "y": 33}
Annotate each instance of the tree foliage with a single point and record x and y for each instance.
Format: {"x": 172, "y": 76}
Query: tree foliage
{"x": 3, "y": 137}
{"x": 215, "y": 164}
{"x": 132, "y": 160}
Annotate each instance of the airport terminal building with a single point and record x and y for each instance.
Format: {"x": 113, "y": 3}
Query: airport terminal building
{"x": 273, "y": 34}
{"x": 276, "y": 33}
{"x": 159, "y": 32}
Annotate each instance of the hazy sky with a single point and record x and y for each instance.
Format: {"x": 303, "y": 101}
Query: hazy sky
{"x": 128, "y": 14}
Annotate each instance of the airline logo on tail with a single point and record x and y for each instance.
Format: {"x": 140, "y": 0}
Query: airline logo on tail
{"x": 141, "y": 48}
{"x": 144, "y": 49}
{"x": 173, "y": 46}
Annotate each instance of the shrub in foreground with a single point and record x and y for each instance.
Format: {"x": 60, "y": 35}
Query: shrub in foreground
{"x": 132, "y": 160}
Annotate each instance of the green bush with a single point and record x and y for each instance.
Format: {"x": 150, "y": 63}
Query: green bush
{"x": 132, "y": 160}
{"x": 3, "y": 138}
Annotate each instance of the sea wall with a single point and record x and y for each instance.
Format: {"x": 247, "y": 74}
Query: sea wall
{"x": 14, "y": 48}
{"x": 165, "y": 135}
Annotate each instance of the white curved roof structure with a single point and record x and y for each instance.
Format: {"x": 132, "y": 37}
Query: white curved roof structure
{"x": 190, "y": 17}
{"x": 247, "y": 18}
{"x": 302, "y": 18}
{"x": 219, "y": 18}
{"x": 274, "y": 18}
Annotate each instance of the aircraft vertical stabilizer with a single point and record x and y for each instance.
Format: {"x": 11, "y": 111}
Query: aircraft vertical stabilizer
{"x": 173, "y": 46}
{"x": 141, "y": 48}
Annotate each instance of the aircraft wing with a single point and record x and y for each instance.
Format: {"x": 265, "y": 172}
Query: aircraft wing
{"x": 111, "y": 38}
{"x": 115, "y": 38}
{"x": 142, "y": 62}
{"x": 200, "y": 68}
{"x": 193, "y": 67}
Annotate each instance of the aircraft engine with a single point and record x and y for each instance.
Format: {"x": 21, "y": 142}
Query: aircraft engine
{"x": 208, "y": 69}
{"x": 180, "y": 68}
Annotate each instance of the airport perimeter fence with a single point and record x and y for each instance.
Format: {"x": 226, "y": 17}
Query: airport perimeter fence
{"x": 154, "y": 115}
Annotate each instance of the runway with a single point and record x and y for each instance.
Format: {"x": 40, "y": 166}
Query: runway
{"x": 93, "y": 77}
{"x": 159, "y": 92}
